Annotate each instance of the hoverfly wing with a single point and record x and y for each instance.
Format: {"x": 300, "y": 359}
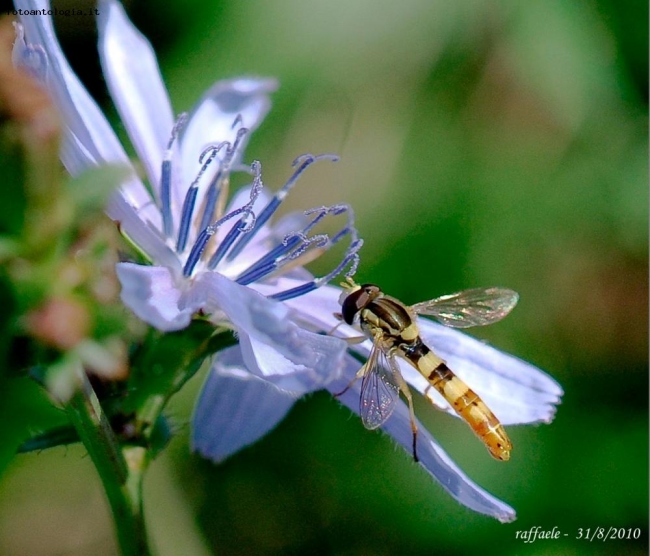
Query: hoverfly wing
{"x": 379, "y": 390}
{"x": 475, "y": 307}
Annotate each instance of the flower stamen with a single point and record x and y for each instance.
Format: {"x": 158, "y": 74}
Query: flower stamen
{"x": 273, "y": 260}
{"x": 242, "y": 227}
{"x": 297, "y": 249}
{"x": 218, "y": 189}
{"x": 245, "y": 225}
{"x": 190, "y": 196}
{"x": 166, "y": 178}
{"x": 351, "y": 257}
{"x": 237, "y": 121}
{"x": 303, "y": 162}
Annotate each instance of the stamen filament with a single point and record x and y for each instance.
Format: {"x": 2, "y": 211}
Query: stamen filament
{"x": 276, "y": 258}
{"x": 165, "y": 195}
{"x": 166, "y": 178}
{"x": 267, "y": 263}
{"x": 290, "y": 241}
{"x": 210, "y": 201}
{"x": 257, "y": 273}
{"x": 351, "y": 256}
{"x": 303, "y": 162}
{"x": 213, "y": 193}
{"x": 245, "y": 225}
{"x": 205, "y": 235}
{"x": 197, "y": 250}
{"x": 227, "y": 242}
{"x": 296, "y": 292}
{"x": 190, "y": 198}
{"x": 186, "y": 218}
{"x": 242, "y": 227}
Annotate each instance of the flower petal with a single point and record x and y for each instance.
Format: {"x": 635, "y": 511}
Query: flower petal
{"x": 211, "y": 122}
{"x": 88, "y": 139}
{"x": 133, "y": 78}
{"x": 152, "y": 294}
{"x": 316, "y": 308}
{"x": 432, "y": 457}
{"x": 298, "y": 377}
{"x": 145, "y": 237}
{"x": 235, "y": 408}
{"x": 274, "y": 346}
{"x": 80, "y": 112}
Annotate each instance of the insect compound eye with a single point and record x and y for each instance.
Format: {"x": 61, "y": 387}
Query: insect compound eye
{"x": 353, "y": 303}
{"x": 358, "y": 300}
{"x": 371, "y": 290}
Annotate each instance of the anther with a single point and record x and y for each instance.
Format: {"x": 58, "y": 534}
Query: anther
{"x": 303, "y": 162}
{"x": 238, "y": 120}
{"x": 296, "y": 243}
{"x": 190, "y": 198}
{"x": 166, "y": 178}
{"x": 351, "y": 258}
{"x": 246, "y": 224}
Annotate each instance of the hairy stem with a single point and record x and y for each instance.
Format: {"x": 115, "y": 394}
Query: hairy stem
{"x": 120, "y": 469}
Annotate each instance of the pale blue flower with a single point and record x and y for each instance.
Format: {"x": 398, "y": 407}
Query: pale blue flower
{"x": 232, "y": 264}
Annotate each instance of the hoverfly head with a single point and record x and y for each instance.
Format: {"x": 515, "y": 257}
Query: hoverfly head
{"x": 356, "y": 298}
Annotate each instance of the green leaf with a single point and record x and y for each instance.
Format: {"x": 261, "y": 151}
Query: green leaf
{"x": 25, "y": 412}
{"x": 57, "y": 436}
{"x": 160, "y": 367}
{"x": 164, "y": 362}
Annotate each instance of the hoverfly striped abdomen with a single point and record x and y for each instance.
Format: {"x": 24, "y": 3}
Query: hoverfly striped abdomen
{"x": 462, "y": 399}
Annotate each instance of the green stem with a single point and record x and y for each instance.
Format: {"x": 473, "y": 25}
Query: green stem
{"x": 121, "y": 470}
{"x": 137, "y": 460}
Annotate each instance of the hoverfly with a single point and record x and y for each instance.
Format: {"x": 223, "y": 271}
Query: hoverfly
{"x": 393, "y": 329}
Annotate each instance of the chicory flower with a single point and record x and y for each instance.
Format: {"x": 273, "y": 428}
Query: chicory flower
{"x": 233, "y": 266}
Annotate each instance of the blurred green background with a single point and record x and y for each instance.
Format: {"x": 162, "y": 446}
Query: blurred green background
{"x": 483, "y": 143}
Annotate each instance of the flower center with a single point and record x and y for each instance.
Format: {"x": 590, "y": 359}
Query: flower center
{"x": 297, "y": 248}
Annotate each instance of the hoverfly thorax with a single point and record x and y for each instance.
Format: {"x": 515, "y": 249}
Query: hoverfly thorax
{"x": 358, "y": 298}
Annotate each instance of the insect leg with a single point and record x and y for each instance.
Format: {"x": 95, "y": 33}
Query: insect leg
{"x": 354, "y": 340}
{"x": 359, "y": 374}
{"x": 331, "y": 332}
{"x": 429, "y": 399}
{"x": 404, "y": 388}
{"x": 351, "y": 341}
